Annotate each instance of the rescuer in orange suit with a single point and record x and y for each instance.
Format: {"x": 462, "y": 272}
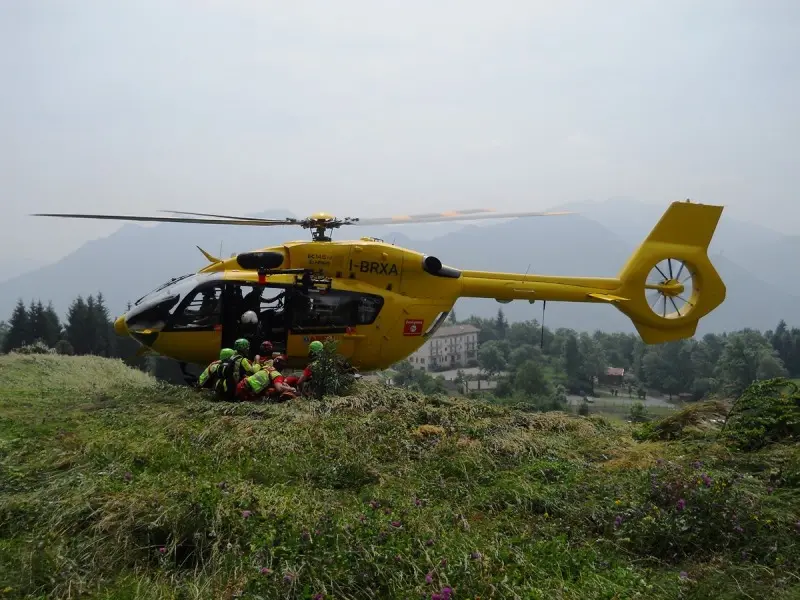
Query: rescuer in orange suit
{"x": 267, "y": 381}
{"x": 264, "y": 356}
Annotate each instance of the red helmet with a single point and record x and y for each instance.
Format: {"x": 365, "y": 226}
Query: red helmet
{"x": 265, "y": 347}
{"x": 280, "y": 360}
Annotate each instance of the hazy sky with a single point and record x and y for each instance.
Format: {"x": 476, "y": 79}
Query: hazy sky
{"x": 370, "y": 107}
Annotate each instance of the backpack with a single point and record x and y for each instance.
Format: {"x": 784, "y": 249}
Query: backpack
{"x": 228, "y": 373}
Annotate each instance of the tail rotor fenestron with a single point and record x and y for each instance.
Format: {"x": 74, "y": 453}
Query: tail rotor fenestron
{"x": 670, "y": 288}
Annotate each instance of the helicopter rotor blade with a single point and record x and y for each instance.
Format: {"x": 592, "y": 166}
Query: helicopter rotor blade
{"x": 454, "y": 216}
{"x": 275, "y": 221}
{"x": 231, "y": 221}
{"x": 213, "y": 219}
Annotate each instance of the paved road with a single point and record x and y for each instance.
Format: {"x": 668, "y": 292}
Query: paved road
{"x": 621, "y": 399}
{"x": 648, "y": 401}
{"x": 571, "y": 399}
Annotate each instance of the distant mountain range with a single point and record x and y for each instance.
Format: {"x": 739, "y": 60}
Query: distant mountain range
{"x": 759, "y": 266}
{"x": 16, "y": 265}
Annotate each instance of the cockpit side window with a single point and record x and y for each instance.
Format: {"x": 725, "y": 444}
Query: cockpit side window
{"x": 202, "y": 309}
{"x": 258, "y": 298}
{"x": 335, "y": 309}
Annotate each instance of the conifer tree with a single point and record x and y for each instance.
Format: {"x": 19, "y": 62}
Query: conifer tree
{"x": 76, "y": 329}
{"x": 501, "y": 324}
{"x": 90, "y": 325}
{"x": 36, "y": 321}
{"x": 3, "y": 333}
{"x": 104, "y": 342}
{"x": 19, "y": 329}
{"x": 44, "y": 324}
{"x": 52, "y": 326}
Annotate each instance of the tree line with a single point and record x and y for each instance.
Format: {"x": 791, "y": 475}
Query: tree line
{"x": 530, "y": 356}
{"x": 87, "y": 329}
{"x": 523, "y": 357}
{"x": 536, "y": 364}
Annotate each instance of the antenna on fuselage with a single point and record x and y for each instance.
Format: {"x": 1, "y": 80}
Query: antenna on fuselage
{"x": 541, "y": 343}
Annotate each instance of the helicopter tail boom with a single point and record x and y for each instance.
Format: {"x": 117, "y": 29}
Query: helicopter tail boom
{"x": 665, "y": 288}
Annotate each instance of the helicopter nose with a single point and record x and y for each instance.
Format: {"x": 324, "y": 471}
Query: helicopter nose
{"x": 120, "y": 327}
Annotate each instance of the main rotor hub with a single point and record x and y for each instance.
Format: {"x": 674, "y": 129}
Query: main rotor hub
{"x": 321, "y": 222}
{"x": 321, "y": 216}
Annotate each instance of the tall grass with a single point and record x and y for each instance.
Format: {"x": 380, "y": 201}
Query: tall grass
{"x": 113, "y": 485}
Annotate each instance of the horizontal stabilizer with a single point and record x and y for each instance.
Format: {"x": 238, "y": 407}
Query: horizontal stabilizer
{"x": 608, "y": 297}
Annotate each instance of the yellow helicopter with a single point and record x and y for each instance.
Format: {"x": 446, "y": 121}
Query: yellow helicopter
{"x": 380, "y": 302}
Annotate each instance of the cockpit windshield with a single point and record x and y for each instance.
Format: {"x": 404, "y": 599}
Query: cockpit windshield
{"x": 162, "y": 287}
{"x": 154, "y": 310}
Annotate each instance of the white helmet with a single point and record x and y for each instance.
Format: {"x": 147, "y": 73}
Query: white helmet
{"x": 250, "y": 318}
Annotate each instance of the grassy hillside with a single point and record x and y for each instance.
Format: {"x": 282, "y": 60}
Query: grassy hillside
{"x": 115, "y": 486}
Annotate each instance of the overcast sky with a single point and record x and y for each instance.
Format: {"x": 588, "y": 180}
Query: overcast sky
{"x": 371, "y": 108}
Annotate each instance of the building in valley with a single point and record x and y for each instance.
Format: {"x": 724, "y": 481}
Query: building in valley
{"x": 450, "y": 347}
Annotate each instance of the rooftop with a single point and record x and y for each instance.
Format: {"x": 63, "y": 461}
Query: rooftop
{"x": 455, "y": 330}
{"x": 615, "y": 371}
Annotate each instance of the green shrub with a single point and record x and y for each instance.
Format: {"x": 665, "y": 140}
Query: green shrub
{"x": 691, "y": 421}
{"x": 64, "y": 347}
{"x": 766, "y": 412}
{"x": 688, "y": 510}
{"x": 38, "y": 347}
{"x": 333, "y": 375}
{"x": 638, "y": 413}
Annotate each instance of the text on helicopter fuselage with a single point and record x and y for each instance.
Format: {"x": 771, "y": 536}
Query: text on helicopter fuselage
{"x": 367, "y": 266}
